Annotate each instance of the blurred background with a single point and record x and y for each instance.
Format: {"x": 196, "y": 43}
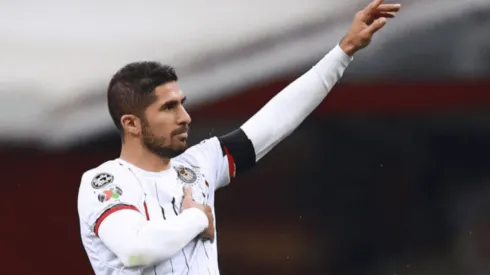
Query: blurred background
{"x": 390, "y": 175}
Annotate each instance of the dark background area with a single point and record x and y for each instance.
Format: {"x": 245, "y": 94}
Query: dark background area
{"x": 384, "y": 178}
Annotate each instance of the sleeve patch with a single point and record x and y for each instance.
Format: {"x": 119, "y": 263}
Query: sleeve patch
{"x": 102, "y": 179}
{"x": 113, "y": 192}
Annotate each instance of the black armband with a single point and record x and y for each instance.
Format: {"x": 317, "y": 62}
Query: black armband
{"x": 239, "y": 150}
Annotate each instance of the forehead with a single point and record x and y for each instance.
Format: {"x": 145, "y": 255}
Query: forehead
{"x": 168, "y": 91}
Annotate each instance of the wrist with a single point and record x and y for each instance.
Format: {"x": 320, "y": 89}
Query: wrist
{"x": 348, "y": 46}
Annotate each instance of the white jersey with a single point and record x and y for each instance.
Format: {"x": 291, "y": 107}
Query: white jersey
{"x": 117, "y": 184}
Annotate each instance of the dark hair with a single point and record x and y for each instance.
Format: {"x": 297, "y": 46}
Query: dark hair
{"x": 132, "y": 88}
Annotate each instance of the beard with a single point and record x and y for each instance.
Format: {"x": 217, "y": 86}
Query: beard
{"x": 157, "y": 146}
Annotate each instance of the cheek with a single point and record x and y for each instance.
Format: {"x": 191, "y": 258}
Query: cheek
{"x": 161, "y": 125}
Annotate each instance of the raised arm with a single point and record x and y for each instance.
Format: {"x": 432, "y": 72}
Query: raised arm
{"x": 285, "y": 112}
{"x": 238, "y": 151}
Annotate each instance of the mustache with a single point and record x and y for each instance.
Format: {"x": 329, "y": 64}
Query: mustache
{"x": 183, "y": 129}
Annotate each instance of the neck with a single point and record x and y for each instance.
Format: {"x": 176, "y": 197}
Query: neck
{"x": 142, "y": 158}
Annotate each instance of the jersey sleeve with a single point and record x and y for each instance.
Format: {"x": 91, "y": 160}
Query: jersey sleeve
{"x": 222, "y": 158}
{"x": 290, "y": 107}
{"x": 106, "y": 190}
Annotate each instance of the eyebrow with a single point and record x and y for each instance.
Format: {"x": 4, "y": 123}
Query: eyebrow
{"x": 171, "y": 103}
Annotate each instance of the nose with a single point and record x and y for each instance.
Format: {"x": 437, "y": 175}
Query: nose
{"x": 184, "y": 117}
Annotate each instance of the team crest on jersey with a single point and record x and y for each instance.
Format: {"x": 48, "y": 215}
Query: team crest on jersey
{"x": 185, "y": 174}
{"x": 101, "y": 180}
{"x": 113, "y": 192}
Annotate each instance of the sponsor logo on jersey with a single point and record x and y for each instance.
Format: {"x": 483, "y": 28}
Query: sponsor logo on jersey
{"x": 101, "y": 180}
{"x": 113, "y": 192}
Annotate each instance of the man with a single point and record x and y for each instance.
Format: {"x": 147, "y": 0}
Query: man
{"x": 151, "y": 211}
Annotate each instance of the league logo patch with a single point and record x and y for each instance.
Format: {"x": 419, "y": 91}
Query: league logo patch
{"x": 101, "y": 180}
{"x": 185, "y": 174}
{"x": 113, "y": 192}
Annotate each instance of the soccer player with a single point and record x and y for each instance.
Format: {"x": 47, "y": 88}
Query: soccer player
{"x": 151, "y": 211}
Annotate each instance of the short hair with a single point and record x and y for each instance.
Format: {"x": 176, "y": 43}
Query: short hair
{"x": 132, "y": 89}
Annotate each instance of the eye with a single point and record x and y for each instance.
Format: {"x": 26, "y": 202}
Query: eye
{"x": 169, "y": 106}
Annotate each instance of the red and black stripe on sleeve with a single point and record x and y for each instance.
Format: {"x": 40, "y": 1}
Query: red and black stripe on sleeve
{"x": 239, "y": 150}
{"x": 108, "y": 212}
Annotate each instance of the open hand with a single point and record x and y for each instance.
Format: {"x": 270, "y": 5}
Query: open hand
{"x": 366, "y": 23}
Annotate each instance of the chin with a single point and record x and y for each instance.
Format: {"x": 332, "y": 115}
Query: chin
{"x": 180, "y": 148}
{"x": 179, "y": 144}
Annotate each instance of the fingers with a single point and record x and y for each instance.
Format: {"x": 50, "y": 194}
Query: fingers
{"x": 387, "y": 8}
{"x": 375, "y": 26}
{"x": 373, "y": 6}
{"x": 383, "y": 14}
{"x": 382, "y": 11}
{"x": 376, "y": 9}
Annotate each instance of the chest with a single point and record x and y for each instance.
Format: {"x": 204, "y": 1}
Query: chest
{"x": 164, "y": 192}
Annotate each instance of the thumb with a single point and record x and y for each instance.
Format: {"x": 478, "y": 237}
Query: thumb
{"x": 376, "y": 25}
{"x": 187, "y": 192}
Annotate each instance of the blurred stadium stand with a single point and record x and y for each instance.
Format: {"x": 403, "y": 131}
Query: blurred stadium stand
{"x": 390, "y": 175}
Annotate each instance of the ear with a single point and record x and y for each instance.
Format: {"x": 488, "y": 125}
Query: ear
{"x": 131, "y": 124}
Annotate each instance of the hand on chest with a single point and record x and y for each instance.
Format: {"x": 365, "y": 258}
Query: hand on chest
{"x": 164, "y": 193}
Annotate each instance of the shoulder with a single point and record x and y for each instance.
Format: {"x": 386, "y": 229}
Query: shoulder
{"x": 107, "y": 184}
{"x": 201, "y": 152}
{"x": 102, "y": 175}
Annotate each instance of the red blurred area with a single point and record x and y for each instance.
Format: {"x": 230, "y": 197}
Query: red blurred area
{"x": 366, "y": 98}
